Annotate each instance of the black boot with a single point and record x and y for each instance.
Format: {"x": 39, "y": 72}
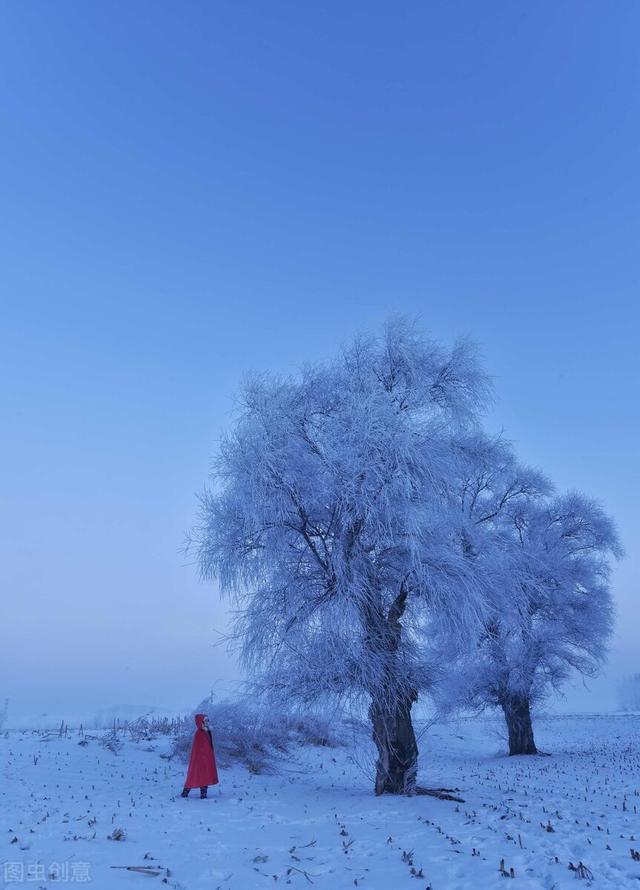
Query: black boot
{"x": 185, "y": 792}
{"x": 203, "y": 793}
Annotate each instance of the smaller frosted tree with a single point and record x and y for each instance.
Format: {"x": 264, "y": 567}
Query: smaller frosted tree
{"x": 331, "y": 520}
{"x": 562, "y": 612}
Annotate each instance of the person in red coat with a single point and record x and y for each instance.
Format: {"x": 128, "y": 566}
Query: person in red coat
{"x": 202, "y": 770}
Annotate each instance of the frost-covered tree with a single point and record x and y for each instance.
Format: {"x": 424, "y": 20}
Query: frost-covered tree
{"x": 332, "y": 521}
{"x": 492, "y": 488}
{"x": 561, "y": 615}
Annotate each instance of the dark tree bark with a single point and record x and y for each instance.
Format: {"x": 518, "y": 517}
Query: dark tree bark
{"x": 391, "y": 702}
{"x": 517, "y": 713}
{"x": 397, "y": 764}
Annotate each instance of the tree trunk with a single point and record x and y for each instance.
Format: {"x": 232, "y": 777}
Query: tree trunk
{"x": 517, "y": 713}
{"x": 391, "y": 697}
{"x": 397, "y": 764}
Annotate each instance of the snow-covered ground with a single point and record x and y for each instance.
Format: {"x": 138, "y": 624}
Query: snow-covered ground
{"x": 318, "y": 823}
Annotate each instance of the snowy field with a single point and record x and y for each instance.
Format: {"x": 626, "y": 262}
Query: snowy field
{"x": 318, "y": 823}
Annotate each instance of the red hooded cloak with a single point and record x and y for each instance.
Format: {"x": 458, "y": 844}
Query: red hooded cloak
{"x": 202, "y": 762}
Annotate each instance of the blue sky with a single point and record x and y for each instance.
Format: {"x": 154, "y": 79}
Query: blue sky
{"x": 189, "y": 191}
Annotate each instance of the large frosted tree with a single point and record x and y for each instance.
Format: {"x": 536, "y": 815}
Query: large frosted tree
{"x": 331, "y": 520}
